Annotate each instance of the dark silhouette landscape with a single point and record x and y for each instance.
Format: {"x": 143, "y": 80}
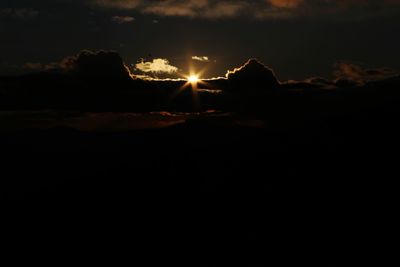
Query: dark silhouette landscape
{"x": 199, "y": 132}
{"x": 243, "y": 169}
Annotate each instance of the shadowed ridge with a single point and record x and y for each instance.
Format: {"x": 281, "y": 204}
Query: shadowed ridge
{"x": 252, "y": 75}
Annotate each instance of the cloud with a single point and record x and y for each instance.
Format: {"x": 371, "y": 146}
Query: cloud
{"x": 101, "y": 64}
{"x": 286, "y": 3}
{"x": 210, "y": 9}
{"x": 122, "y": 19}
{"x": 358, "y": 74}
{"x": 37, "y": 66}
{"x": 226, "y": 9}
{"x": 33, "y": 66}
{"x": 260, "y": 9}
{"x": 123, "y": 4}
{"x": 99, "y": 80}
{"x": 201, "y": 58}
{"x": 96, "y": 64}
{"x": 195, "y": 8}
{"x": 158, "y": 65}
{"x": 18, "y": 13}
{"x": 318, "y": 81}
{"x": 175, "y": 8}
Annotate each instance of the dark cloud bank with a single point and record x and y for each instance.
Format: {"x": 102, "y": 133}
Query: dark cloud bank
{"x": 310, "y": 167}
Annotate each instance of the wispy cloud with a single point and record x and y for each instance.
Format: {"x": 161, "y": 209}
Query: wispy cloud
{"x": 123, "y": 4}
{"x": 261, "y": 9}
{"x": 359, "y": 74}
{"x": 122, "y": 19}
{"x": 201, "y": 59}
{"x": 195, "y": 8}
{"x": 33, "y": 66}
{"x": 286, "y": 3}
{"x": 18, "y": 13}
{"x": 158, "y": 65}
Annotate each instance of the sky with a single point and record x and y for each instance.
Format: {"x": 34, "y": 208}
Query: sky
{"x": 168, "y": 38}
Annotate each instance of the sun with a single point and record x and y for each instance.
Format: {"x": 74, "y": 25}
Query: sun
{"x": 193, "y": 79}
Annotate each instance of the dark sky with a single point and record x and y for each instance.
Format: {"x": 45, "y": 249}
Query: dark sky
{"x": 297, "y": 38}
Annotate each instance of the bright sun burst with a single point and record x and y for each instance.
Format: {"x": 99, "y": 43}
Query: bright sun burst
{"x": 193, "y": 79}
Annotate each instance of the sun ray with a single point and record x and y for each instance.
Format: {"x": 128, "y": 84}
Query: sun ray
{"x": 193, "y": 79}
{"x": 193, "y": 82}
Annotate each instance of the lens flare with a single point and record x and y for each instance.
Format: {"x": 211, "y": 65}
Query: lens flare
{"x": 193, "y": 79}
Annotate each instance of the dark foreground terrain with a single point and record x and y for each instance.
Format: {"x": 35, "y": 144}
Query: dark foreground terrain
{"x": 319, "y": 193}
{"x": 256, "y": 173}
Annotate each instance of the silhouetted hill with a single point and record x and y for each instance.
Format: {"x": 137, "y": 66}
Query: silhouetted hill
{"x": 252, "y": 75}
